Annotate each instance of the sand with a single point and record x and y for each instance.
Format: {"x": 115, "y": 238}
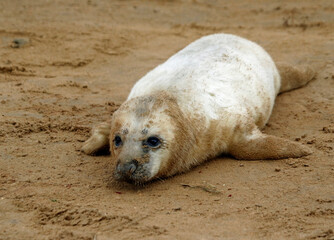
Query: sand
{"x": 66, "y": 65}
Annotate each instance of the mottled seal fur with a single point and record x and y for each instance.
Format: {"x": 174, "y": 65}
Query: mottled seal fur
{"x": 210, "y": 98}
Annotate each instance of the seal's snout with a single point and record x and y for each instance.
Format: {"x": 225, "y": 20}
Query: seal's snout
{"x": 132, "y": 171}
{"x": 128, "y": 168}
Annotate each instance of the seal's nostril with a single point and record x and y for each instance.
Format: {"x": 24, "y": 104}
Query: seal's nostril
{"x": 118, "y": 167}
{"x": 132, "y": 168}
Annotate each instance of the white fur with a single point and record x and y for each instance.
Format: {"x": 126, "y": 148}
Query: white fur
{"x": 216, "y": 73}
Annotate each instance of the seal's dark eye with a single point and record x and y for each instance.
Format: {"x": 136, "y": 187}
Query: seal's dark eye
{"x": 117, "y": 141}
{"x": 153, "y": 142}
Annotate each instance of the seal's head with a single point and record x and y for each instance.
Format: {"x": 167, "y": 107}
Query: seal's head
{"x": 143, "y": 132}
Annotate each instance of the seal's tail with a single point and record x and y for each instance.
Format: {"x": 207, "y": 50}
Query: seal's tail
{"x": 294, "y": 77}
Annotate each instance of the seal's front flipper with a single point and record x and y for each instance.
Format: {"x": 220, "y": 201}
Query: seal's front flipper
{"x": 261, "y": 146}
{"x": 99, "y": 139}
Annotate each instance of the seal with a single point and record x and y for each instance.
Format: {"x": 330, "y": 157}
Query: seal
{"x": 210, "y": 98}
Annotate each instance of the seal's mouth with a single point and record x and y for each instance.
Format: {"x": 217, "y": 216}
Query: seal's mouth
{"x": 132, "y": 172}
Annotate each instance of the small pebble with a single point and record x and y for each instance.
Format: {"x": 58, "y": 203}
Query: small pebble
{"x": 19, "y": 42}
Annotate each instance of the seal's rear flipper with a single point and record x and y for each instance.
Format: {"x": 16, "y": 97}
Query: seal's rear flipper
{"x": 294, "y": 77}
{"x": 262, "y": 146}
{"x": 99, "y": 139}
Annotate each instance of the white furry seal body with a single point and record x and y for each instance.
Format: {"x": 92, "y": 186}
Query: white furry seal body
{"x": 210, "y": 98}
